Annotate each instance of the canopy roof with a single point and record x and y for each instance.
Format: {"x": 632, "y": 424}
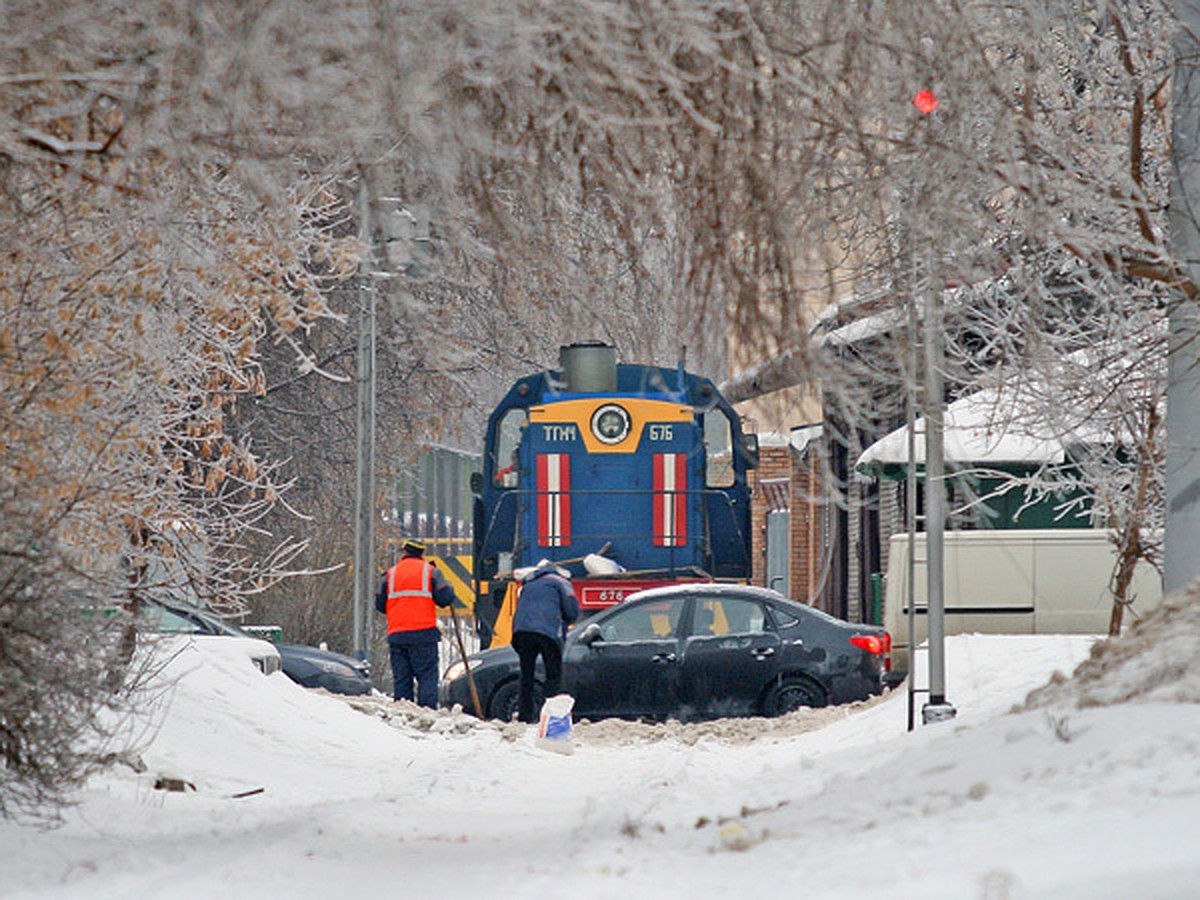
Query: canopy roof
{"x": 984, "y": 428}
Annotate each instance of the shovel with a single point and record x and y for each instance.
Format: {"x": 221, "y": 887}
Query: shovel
{"x": 462, "y": 654}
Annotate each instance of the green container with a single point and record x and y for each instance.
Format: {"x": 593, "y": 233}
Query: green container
{"x": 876, "y": 598}
{"x": 272, "y": 633}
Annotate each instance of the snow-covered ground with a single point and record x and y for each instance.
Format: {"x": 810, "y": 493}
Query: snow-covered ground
{"x": 1092, "y": 790}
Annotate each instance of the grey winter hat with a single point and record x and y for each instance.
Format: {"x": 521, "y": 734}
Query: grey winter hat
{"x": 544, "y": 566}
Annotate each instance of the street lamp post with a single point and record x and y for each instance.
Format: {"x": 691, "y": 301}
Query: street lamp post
{"x": 364, "y": 491}
{"x": 937, "y": 709}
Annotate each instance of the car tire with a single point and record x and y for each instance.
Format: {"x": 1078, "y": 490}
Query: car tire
{"x": 791, "y": 693}
{"x": 502, "y": 704}
{"x": 504, "y": 700}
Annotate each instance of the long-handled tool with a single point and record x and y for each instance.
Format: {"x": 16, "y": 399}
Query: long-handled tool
{"x": 604, "y": 548}
{"x": 462, "y": 653}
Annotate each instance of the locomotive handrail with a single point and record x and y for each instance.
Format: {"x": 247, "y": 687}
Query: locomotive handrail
{"x": 513, "y": 496}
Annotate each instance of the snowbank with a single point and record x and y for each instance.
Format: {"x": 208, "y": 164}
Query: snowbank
{"x": 1154, "y": 661}
{"x": 291, "y": 793}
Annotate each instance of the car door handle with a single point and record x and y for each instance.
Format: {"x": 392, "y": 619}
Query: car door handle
{"x": 763, "y": 652}
{"x": 663, "y": 658}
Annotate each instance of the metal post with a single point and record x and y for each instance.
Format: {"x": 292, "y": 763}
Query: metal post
{"x": 364, "y": 490}
{"x": 1181, "y": 553}
{"x": 910, "y": 510}
{"x": 937, "y": 709}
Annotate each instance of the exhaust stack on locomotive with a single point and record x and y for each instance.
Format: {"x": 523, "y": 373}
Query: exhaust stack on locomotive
{"x": 588, "y": 367}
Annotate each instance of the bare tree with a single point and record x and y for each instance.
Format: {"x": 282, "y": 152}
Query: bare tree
{"x": 172, "y": 192}
{"x": 135, "y": 289}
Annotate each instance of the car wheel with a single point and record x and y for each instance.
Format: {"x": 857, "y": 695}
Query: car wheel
{"x": 504, "y": 701}
{"x": 790, "y": 693}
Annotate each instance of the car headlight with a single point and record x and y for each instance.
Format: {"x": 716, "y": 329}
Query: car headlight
{"x": 457, "y": 670}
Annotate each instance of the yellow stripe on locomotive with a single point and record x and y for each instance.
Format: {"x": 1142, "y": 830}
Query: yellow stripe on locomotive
{"x": 589, "y": 417}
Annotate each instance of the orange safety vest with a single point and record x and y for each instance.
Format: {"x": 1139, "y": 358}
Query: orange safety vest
{"x": 410, "y": 596}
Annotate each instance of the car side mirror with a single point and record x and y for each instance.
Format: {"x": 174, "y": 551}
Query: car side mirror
{"x": 590, "y": 634}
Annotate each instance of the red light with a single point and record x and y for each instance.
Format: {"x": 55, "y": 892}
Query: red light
{"x": 873, "y": 644}
{"x": 926, "y": 101}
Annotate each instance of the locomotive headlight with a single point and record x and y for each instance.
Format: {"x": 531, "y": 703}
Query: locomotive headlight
{"x": 610, "y": 423}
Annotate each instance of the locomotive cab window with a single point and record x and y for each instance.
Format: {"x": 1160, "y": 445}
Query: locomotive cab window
{"x": 718, "y": 449}
{"x": 505, "y": 464}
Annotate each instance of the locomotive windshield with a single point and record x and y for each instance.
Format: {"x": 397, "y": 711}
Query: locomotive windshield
{"x": 504, "y": 454}
{"x": 718, "y": 450}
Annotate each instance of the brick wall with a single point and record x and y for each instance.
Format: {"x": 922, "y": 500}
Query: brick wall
{"x": 786, "y": 479}
{"x": 771, "y": 482}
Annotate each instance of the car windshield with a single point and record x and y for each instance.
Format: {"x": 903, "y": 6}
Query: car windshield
{"x": 165, "y": 620}
{"x": 225, "y": 627}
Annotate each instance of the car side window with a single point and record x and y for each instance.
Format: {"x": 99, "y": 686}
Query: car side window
{"x": 644, "y": 622}
{"x": 728, "y": 615}
{"x": 783, "y": 618}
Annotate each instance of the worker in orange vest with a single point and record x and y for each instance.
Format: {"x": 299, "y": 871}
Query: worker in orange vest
{"x": 407, "y": 597}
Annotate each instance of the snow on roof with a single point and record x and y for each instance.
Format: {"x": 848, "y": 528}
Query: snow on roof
{"x": 804, "y": 435}
{"x": 797, "y": 438}
{"x": 865, "y": 328}
{"x": 982, "y": 428}
{"x": 772, "y": 439}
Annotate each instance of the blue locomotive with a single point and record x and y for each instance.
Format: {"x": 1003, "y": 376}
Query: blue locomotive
{"x": 630, "y": 476}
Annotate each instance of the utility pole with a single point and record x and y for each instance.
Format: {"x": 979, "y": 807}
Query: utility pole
{"x": 364, "y": 490}
{"x": 1181, "y": 553}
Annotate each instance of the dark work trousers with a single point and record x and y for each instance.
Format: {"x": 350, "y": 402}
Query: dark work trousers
{"x": 419, "y": 661}
{"x": 529, "y": 644}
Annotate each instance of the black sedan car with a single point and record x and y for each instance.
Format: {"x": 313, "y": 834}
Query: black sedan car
{"x": 311, "y": 667}
{"x": 692, "y": 652}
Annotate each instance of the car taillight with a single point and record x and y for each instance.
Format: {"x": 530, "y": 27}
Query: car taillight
{"x": 872, "y": 643}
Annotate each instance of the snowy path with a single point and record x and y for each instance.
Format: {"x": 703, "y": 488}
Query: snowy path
{"x": 832, "y": 803}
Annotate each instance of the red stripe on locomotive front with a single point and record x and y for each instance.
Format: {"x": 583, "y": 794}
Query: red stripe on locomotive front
{"x": 554, "y": 499}
{"x": 680, "y": 499}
